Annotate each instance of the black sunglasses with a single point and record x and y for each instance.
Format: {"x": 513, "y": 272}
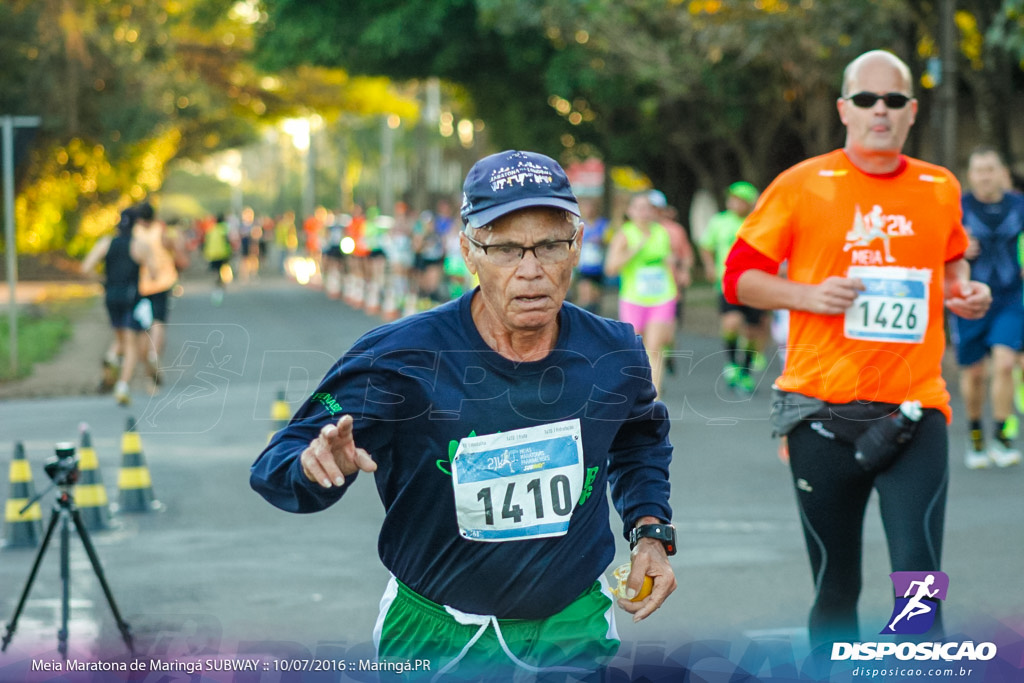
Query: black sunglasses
{"x": 866, "y": 100}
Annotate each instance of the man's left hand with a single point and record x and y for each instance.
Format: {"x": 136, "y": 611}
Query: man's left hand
{"x": 969, "y": 300}
{"x": 649, "y": 559}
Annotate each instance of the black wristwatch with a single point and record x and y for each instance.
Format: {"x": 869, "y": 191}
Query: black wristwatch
{"x": 666, "y": 533}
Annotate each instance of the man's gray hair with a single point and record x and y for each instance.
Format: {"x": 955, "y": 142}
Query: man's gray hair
{"x": 570, "y": 217}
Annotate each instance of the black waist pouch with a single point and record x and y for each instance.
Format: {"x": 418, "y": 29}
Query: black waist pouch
{"x": 848, "y": 421}
{"x": 843, "y": 421}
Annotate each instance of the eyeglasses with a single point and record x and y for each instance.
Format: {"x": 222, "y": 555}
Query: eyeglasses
{"x": 553, "y": 251}
{"x": 866, "y": 100}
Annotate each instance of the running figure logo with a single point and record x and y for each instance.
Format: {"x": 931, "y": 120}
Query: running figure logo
{"x": 914, "y": 612}
{"x": 866, "y": 229}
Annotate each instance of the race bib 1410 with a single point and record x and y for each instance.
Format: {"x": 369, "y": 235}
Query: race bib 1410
{"x": 520, "y": 484}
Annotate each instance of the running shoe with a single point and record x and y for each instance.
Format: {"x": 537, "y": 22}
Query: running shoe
{"x": 108, "y": 378}
{"x": 1003, "y": 454}
{"x": 121, "y": 394}
{"x": 745, "y": 384}
{"x": 731, "y": 372}
{"x": 153, "y": 368}
{"x": 153, "y": 382}
{"x": 1011, "y": 428}
{"x": 976, "y": 456}
{"x": 975, "y": 460}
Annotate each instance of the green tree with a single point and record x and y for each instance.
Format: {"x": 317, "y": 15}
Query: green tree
{"x": 729, "y": 88}
{"x": 990, "y": 61}
{"x": 416, "y": 39}
{"x": 1007, "y": 29}
{"x": 692, "y": 93}
{"x": 126, "y": 86}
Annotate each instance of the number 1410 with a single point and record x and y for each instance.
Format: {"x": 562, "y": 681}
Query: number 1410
{"x": 557, "y": 495}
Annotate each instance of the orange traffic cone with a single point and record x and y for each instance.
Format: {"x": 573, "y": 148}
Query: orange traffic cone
{"x": 90, "y": 496}
{"x": 280, "y": 413}
{"x": 21, "y": 529}
{"x": 133, "y": 480}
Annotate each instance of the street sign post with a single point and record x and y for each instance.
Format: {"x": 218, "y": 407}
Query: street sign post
{"x": 8, "y": 124}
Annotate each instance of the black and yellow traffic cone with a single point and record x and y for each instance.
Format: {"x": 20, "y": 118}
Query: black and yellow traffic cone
{"x": 90, "y": 496}
{"x": 280, "y": 413}
{"x": 133, "y": 480}
{"x": 21, "y": 529}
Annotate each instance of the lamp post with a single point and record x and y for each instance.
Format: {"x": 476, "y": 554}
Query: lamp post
{"x": 9, "y": 123}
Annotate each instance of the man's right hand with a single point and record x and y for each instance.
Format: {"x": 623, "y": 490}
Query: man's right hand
{"x": 833, "y": 296}
{"x": 333, "y": 455}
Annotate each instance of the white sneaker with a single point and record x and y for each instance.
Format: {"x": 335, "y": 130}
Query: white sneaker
{"x": 1003, "y": 455}
{"x": 976, "y": 460}
{"x": 121, "y": 394}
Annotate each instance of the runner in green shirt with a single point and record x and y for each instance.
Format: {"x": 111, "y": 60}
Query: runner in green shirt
{"x": 736, "y": 321}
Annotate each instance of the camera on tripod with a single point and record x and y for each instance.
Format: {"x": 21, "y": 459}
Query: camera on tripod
{"x": 62, "y": 468}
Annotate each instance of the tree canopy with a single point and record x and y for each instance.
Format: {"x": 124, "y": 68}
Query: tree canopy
{"x": 694, "y": 93}
{"x": 126, "y": 86}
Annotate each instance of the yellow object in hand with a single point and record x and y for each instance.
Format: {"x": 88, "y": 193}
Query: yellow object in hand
{"x": 645, "y": 589}
{"x": 621, "y": 573}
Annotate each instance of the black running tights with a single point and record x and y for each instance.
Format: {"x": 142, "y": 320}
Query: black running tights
{"x": 832, "y": 495}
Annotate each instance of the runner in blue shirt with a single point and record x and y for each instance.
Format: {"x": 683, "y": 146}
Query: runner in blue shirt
{"x": 994, "y": 218}
{"x": 590, "y": 272}
{"x": 493, "y": 426}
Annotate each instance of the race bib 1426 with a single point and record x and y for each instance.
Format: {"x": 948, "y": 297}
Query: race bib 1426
{"x": 893, "y": 306}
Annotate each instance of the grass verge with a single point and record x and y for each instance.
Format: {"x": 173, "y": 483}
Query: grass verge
{"x": 42, "y": 331}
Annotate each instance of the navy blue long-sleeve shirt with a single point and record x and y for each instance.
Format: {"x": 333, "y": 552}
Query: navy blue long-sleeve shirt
{"x": 997, "y": 227}
{"x": 417, "y": 387}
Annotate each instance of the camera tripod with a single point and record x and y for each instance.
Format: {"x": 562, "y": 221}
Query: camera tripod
{"x": 65, "y": 512}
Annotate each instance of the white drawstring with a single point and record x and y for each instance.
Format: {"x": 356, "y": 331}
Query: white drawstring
{"x": 465, "y": 620}
{"x": 483, "y": 621}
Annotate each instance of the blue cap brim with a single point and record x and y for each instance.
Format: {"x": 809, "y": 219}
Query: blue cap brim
{"x": 478, "y": 220}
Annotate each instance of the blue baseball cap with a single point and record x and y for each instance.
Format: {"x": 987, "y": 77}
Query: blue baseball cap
{"x": 508, "y": 181}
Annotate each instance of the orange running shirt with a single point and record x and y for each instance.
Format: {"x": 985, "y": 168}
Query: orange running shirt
{"x": 896, "y": 232}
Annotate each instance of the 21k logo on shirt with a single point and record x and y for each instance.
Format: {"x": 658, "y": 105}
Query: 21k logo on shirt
{"x": 869, "y": 229}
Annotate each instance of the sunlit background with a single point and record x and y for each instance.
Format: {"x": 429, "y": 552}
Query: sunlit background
{"x": 206, "y": 106}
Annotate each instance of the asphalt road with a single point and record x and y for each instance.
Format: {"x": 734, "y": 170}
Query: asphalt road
{"x": 219, "y": 571}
